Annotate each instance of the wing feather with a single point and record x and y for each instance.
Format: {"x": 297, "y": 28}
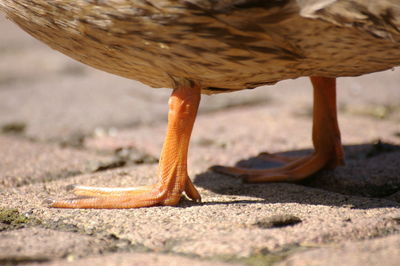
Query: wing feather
{"x": 379, "y": 18}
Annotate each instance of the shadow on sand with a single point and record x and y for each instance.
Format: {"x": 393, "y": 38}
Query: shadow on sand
{"x": 372, "y": 171}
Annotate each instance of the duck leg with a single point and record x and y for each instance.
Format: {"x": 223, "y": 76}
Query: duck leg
{"x": 172, "y": 172}
{"x": 326, "y": 139}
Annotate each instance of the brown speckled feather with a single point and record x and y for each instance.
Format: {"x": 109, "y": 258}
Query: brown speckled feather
{"x": 380, "y": 18}
{"x": 221, "y": 45}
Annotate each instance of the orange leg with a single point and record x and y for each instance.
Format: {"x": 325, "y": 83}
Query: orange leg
{"x": 326, "y": 139}
{"x": 172, "y": 172}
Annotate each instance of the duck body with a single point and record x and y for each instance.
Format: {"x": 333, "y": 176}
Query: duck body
{"x": 222, "y": 45}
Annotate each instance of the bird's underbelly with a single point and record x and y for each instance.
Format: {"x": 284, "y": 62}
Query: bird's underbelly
{"x": 334, "y": 52}
{"x": 159, "y": 59}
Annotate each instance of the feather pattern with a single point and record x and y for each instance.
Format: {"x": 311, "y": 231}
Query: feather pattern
{"x": 380, "y": 18}
{"x": 221, "y": 45}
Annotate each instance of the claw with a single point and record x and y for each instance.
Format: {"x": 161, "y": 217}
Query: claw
{"x": 326, "y": 139}
{"x": 173, "y": 177}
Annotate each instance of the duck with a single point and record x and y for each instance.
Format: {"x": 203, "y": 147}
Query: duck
{"x": 198, "y": 47}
